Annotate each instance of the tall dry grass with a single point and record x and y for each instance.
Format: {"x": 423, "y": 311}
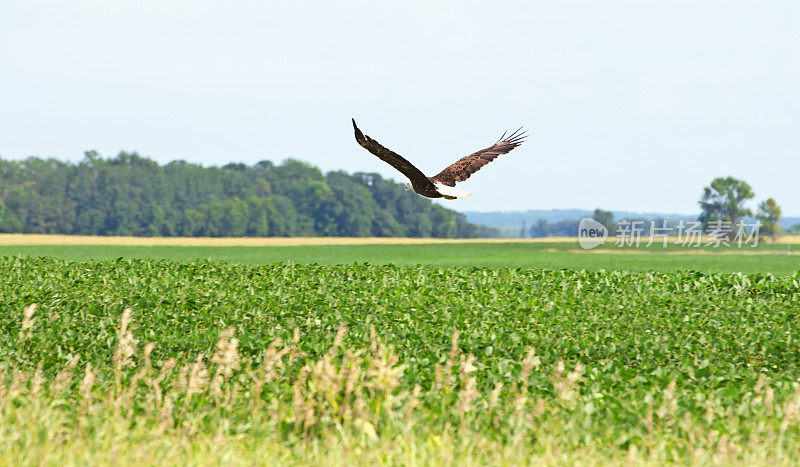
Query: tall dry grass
{"x": 357, "y": 406}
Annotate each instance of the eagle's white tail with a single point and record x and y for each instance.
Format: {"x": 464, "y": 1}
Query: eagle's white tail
{"x": 450, "y": 192}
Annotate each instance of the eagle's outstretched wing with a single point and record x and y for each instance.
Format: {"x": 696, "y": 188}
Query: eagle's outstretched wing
{"x": 395, "y": 160}
{"x": 468, "y": 165}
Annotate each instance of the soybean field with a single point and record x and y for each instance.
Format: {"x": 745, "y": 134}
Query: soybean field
{"x": 205, "y": 361}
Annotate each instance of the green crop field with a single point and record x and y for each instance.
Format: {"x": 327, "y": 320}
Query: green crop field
{"x": 210, "y": 362}
{"x": 766, "y": 258}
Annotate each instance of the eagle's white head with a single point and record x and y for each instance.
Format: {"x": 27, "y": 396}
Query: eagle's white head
{"x": 407, "y": 186}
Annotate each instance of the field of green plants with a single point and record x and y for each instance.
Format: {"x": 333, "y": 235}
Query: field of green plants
{"x": 144, "y": 360}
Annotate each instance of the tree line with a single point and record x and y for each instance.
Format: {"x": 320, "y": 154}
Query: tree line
{"x": 133, "y": 195}
{"x": 569, "y": 227}
{"x": 722, "y": 201}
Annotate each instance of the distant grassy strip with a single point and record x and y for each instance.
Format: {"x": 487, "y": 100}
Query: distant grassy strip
{"x": 562, "y": 255}
{"x": 39, "y": 239}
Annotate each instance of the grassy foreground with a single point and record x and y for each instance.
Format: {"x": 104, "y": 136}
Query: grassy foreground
{"x": 215, "y": 362}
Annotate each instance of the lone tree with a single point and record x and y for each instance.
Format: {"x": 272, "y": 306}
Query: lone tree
{"x": 724, "y": 200}
{"x": 769, "y": 213}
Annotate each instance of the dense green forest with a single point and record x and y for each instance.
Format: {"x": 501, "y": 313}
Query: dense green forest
{"x": 133, "y": 195}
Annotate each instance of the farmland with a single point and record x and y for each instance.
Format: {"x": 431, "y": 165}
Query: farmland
{"x": 218, "y": 361}
{"x": 552, "y": 253}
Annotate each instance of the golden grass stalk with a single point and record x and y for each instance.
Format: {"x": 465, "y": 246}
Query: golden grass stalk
{"x": 27, "y": 322}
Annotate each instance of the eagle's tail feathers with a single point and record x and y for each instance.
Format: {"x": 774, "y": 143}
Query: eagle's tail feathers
{"x": 450, "y": 192}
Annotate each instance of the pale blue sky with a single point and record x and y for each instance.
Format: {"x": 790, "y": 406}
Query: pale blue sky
{"x": 630, "y": 105}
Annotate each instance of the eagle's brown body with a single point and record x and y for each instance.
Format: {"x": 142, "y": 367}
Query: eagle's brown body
{"x": 437, "y": 186}
{"x": 428, "y": 189}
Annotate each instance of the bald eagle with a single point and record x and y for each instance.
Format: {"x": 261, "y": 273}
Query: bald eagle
{"x": 441, "y": 185}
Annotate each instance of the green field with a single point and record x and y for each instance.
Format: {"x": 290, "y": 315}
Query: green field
{"x": 220, "y": 362}
{"x": 557, "y": 255}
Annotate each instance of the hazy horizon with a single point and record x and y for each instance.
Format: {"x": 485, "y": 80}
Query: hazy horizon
{"x": 631, "y": 106}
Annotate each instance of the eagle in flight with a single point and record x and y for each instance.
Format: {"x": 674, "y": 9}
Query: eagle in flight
{"x": 441, "y": 185}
